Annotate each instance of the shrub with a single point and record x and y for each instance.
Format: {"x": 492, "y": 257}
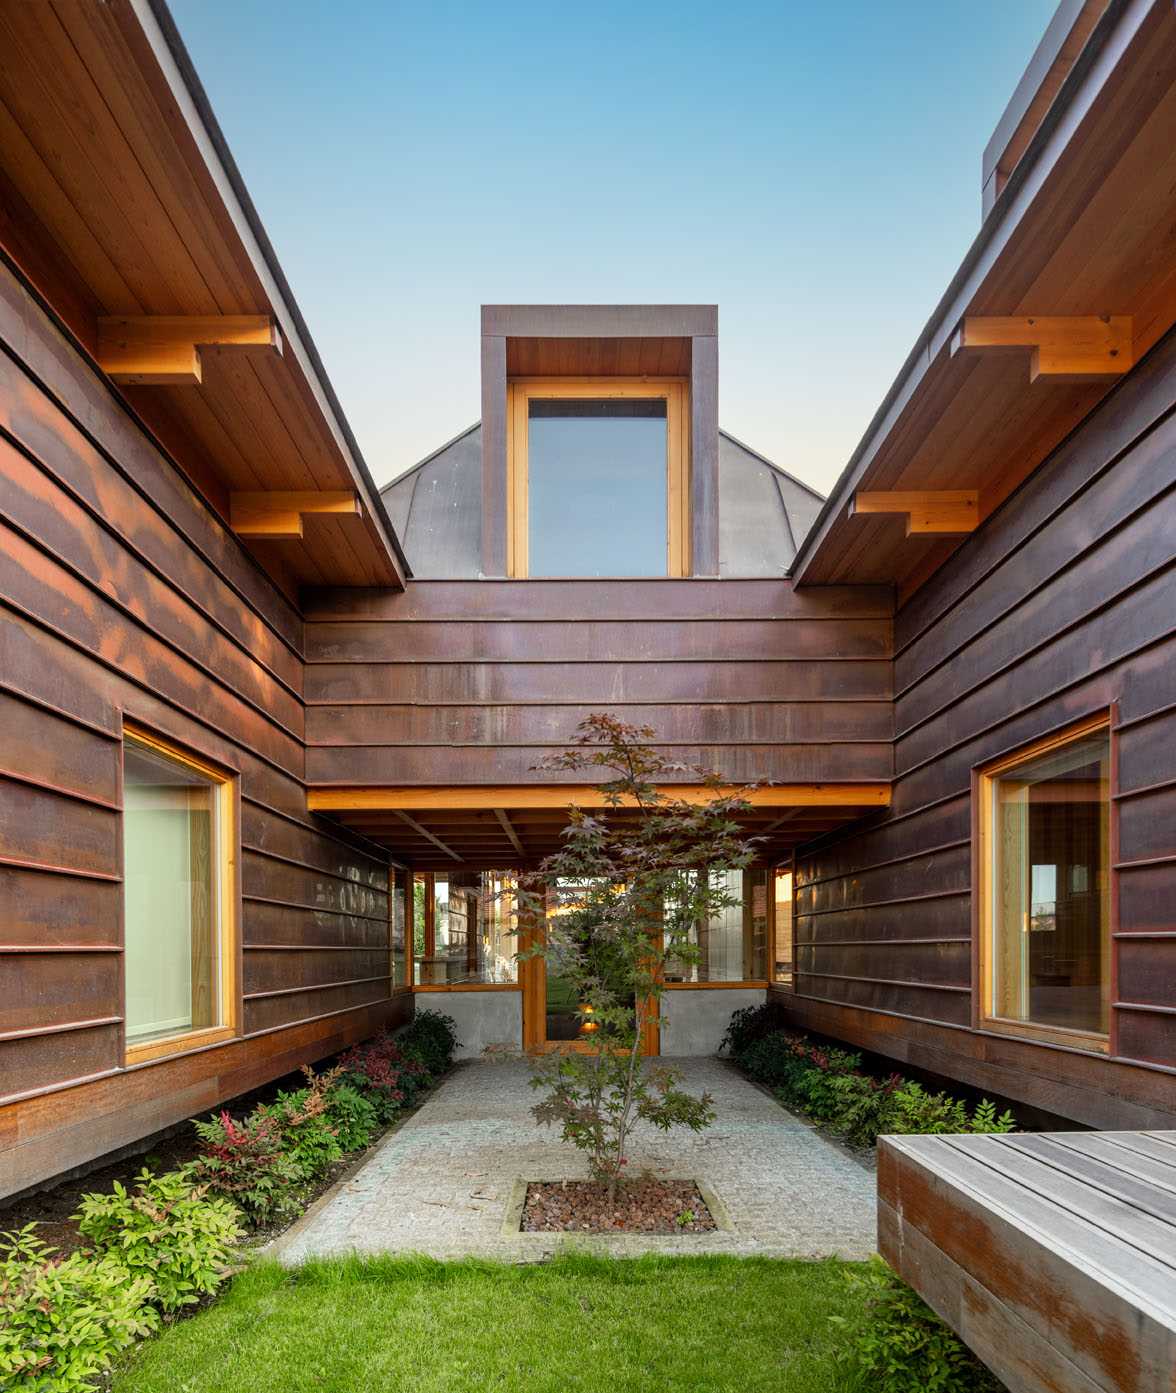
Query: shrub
{"x": 899, "y": 1345}
{"x": 747, "y": 1026}
{"x": 430, "y": 1038}
{"x": 379, "y": 1071}
{"x": 169, "y": 1231}
{"x": 913, "y": 1110}
{"x": 827, "y": 1083}
{"x": 862, "y": 1106}
{"x": 62, "y": 1320}
{"x": 306, "y": 1132}
{"x": 353, "y": 1116}
{"x": 246, "y": 1163}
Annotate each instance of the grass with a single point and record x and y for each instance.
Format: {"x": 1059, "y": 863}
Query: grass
{"x": 704, "y": 1324}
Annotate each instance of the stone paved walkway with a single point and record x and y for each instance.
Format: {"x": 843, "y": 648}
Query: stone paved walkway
{"x": 440, "y": 1185}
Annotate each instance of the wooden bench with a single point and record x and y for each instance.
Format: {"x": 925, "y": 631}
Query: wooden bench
{"x": 1052, "y": 1256}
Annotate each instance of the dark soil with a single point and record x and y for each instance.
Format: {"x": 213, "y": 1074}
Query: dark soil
{"x": 638, "y": 1206}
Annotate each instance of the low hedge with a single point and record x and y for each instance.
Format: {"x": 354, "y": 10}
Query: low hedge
{"x": 171, "y": 1242}
{"x": 830, "y": 1086}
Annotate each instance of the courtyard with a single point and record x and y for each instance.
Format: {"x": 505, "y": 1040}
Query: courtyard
{"x": 441, "y": 1185}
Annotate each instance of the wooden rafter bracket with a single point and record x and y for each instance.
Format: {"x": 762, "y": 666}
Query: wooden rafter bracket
{"x": 1063, "y": 348}
{"x": 946, "y": 513}
{"x": 278, "y": 516}
{"x": 163, "y": 350}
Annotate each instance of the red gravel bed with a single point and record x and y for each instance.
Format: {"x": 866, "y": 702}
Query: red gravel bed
{"x": 638, "y": 1206}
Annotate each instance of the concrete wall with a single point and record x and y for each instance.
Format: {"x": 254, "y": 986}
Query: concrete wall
{"x": 693, "y": 1022}
{"x": 483, "y": 1018}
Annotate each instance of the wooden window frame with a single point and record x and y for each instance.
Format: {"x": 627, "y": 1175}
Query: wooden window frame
{"x": 675, "y": 391}
{"x": 983, "y": 783}
{"x": 225, "y": 859}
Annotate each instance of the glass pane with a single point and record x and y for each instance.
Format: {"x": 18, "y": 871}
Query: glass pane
{"x": 597, "y": 503}
{"x": 731, "y": 945}
{"x": 171, "y": 942}
{"x": 1051, "y": 888}
{"x": 399, "y": 917}
{"x": 474, "y": 929}
{"x": 782, "y": 960}
{"x": 564, "y": 1021}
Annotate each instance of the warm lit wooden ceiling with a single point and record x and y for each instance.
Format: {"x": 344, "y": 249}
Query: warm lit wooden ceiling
{"x": 496, "y": 829}
{"x": 114, "y": 201}
{"x": 1089, "y": 231}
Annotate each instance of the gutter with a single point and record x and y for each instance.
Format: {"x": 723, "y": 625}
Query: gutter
{"x": 1022, "y": 187}
{"x": 154, "y": 14}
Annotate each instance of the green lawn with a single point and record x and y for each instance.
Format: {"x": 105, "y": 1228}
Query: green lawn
{"x": 704, "y": 1324}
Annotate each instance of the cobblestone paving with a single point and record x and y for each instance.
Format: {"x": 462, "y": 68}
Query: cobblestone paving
{"x": 440, "y": 1185}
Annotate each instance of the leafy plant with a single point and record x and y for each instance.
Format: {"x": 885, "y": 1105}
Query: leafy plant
{"x": 634, "y": 882}
{"x": 746, "y": 1026}
{"x": 899, "y": 1345}
{"x": 828, "y": 1084}
{"x": 246, "y": 1162}
{"x": 62, "y": 1320}
{"x": 378, "y": 1070}
{"x": 353, "y": 1117}
{"x": 307, "y": 1135}
{"x": 169, "y": 1231}
{"x": 430, "y": 1038}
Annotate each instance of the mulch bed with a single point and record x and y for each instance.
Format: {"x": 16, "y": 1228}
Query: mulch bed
{"x": 638, "y": 1206}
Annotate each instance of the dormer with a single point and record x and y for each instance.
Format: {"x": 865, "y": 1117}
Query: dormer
{"x": 599, "y": 455}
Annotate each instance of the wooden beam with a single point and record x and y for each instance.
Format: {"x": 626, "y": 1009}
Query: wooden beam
{"x": 508, "y": 828}
{"x": 428, "y": 836}
{"x": 279, "y": 515}
{"x": 522, "y": 797}
{"x": 163, "y": 350}
{"x": 1063, "y": 348}
{"x": 945, "y": 513}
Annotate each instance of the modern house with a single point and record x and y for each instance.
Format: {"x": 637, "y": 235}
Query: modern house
{"x": 268, "y": 735}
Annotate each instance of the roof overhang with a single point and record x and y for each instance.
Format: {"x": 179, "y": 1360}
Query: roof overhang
{"x": 123, "y": 207}
{"x": 1083, "y": 229}
{"x": 484, "y": 827}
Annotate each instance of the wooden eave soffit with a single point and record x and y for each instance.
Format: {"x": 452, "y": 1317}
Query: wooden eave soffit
{"x": 278, "y": 516}
{"x": 163, "y": 350}
{"x": 947, "y": 513}
{"x": 1066, "y": 348}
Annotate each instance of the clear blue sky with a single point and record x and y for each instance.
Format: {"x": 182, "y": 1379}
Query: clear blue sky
{"x": 812, "y": 168}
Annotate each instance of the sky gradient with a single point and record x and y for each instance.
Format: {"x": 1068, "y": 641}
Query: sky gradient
{"x": 812, "y": 169}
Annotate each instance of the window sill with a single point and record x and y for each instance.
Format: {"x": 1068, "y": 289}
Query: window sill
{"x": 467, "y": 987}
{"x": 746, "y": 984}
{"x": 177, "y": 1044}
{"x": 1046, "y": 1035}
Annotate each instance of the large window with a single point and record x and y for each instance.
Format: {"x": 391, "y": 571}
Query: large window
{"x": 177, "y": 881}
{"x": 732, "y": 945}
{"x": 1045, "y": 889}
{"x": 464, "y": 930}
{"x": 597, "y": 478}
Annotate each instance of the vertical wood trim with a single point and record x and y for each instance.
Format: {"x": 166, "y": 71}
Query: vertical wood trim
{"x": 494, "y": 478}
{"x": 1114, "y": 944}
{"x": 704, "y": 456}
{"x": 430, "y": 879}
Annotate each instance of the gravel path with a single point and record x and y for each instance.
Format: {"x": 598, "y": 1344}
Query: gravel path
{"x": 442, "y": 1183}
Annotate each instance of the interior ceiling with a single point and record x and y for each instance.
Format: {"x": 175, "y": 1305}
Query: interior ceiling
{"x": 482, "y": 839}
{"x": 109, "y": 208}
{"x": 1099, "y": 238}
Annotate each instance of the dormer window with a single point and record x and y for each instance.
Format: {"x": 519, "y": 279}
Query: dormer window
{"x": 597, "y": 477}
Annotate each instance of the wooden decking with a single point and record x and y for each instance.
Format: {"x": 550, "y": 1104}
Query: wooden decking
{"x": 1053, "y": 1256}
